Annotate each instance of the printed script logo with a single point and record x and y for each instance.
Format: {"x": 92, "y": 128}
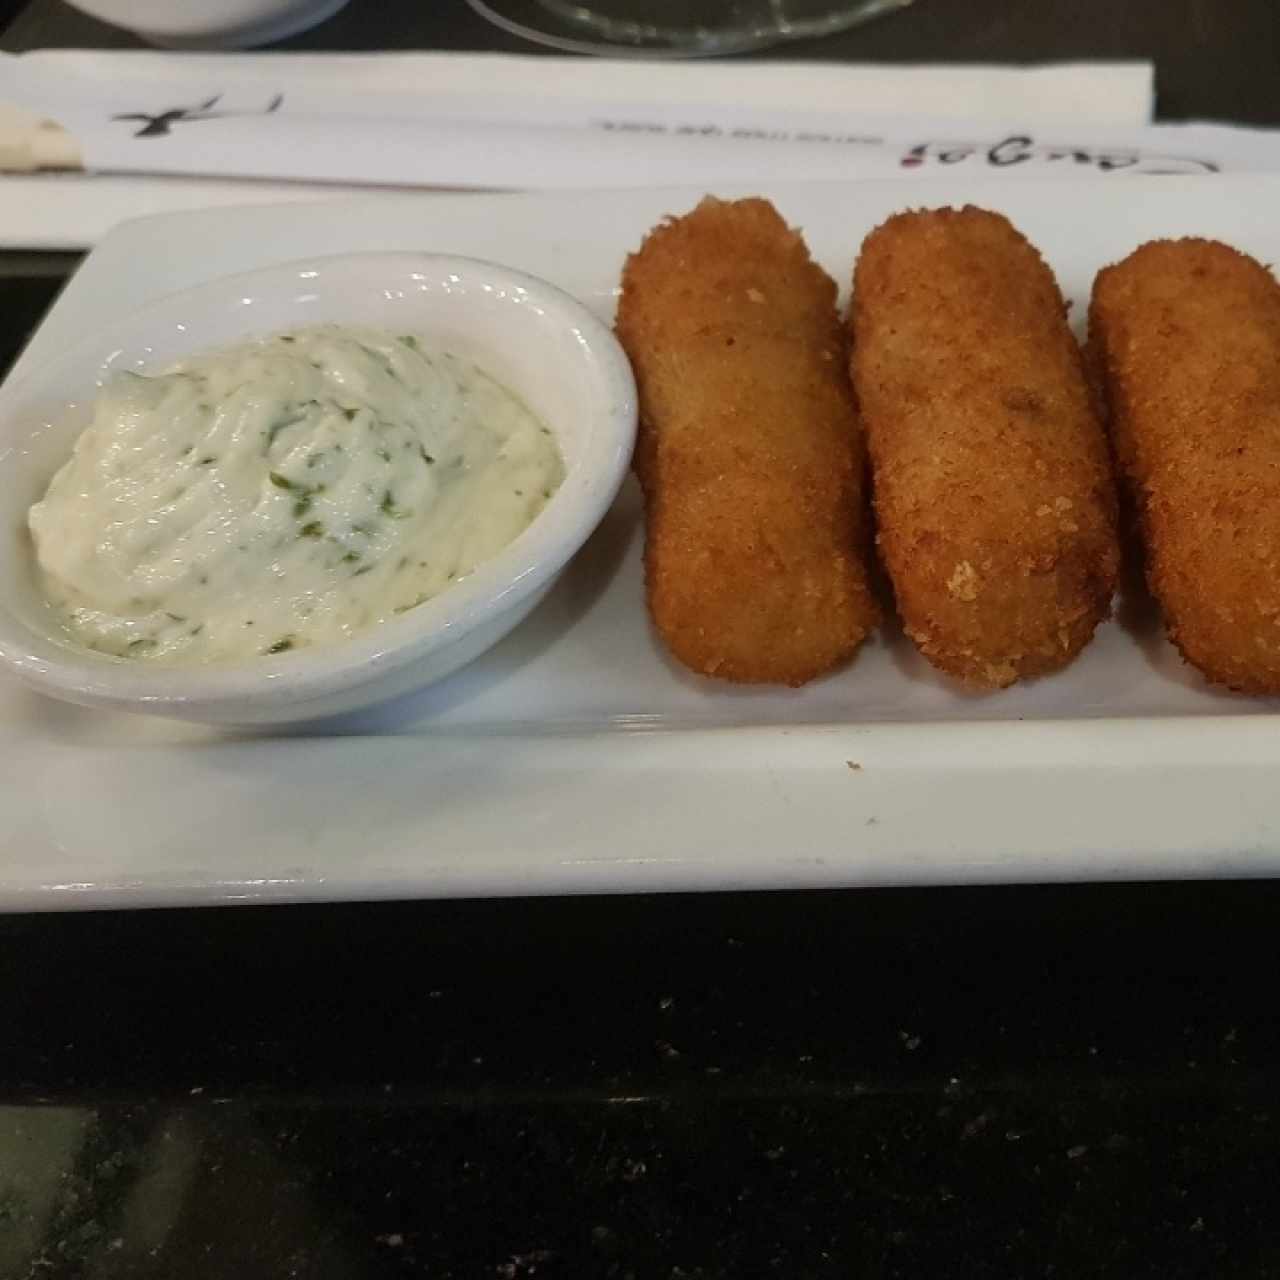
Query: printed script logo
{"x": 1022, "y": 149}
{"x": 161, "y": 124}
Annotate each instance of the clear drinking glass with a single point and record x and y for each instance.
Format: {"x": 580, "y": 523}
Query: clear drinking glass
{"x": 675, "y": 28}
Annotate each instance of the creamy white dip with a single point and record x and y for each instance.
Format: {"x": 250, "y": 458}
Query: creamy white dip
{"x": 284, "y": 493}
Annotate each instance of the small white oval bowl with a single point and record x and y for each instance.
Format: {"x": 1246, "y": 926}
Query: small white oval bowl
{"x": 211, "y": 24}
{"x": 538, "y": 341}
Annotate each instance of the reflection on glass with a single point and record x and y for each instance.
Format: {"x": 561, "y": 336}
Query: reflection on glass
{"x": 153, "y": 1192}
{"x": 676, "y": 28}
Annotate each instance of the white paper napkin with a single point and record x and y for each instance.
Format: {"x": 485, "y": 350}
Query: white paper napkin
{"x": 73, "y": 210}
{"x": 189, "y": 128}
{"x": 560, "y": 90}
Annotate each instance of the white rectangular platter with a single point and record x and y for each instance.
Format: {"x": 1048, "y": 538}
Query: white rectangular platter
{"x": 574, "y": 758}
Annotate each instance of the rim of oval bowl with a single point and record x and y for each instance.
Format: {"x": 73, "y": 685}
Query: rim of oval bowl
{"x": 526, "y": 563}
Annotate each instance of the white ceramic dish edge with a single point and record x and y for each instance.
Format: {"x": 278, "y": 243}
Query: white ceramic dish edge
{"x": 212, "y": 24}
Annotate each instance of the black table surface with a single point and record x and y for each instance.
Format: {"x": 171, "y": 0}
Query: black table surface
{"x": 1053, "y": 1081}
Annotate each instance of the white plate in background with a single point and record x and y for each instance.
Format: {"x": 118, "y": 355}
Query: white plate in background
{"x": 574, "y": 757}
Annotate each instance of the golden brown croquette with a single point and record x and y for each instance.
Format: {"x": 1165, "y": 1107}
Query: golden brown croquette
{"x": 992, "y": 482}
{"x": 1186, "y": 337}
{"x": 750, "y": 453}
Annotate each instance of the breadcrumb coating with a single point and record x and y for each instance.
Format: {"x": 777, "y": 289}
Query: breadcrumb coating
{"x": 750, "y": 452}
{"x": 993, "y": 493}
{"x": 1185, "y": 335}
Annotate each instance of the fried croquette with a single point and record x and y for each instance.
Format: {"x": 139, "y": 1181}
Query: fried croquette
{"x": 750, "y": 453}
{"x": 992, "y": 484}
{"x": 1185, "y": 335}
